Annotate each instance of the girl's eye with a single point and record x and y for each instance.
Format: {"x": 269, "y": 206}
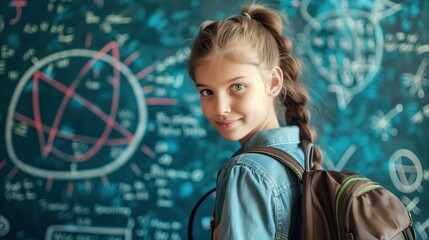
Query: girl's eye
{"x": 206, "y": 92}
{"x": 238, "y": 87}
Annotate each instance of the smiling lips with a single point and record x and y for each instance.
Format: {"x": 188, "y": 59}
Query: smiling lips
{"x": 227, "y": 124}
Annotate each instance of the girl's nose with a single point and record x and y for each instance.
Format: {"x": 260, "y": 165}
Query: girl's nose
{"x": 222, "y": 106}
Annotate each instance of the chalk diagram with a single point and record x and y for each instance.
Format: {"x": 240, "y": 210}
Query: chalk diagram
{"x": 346, "y": 46}
{"x": 90, "y": 232}
{"x": 4, "y": 226}
{"x": 416, "y": 82}
{"x": 51, "y": 139}
{"x": 406, "y": 171}
{"x": 381, "y": 123}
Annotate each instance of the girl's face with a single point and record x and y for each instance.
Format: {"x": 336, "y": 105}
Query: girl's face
{"x": 236, "y": 99}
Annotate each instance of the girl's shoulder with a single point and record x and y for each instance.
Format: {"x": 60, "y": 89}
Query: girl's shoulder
{"x": 261, "y": 167}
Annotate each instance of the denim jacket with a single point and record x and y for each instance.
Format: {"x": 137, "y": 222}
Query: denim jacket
{"x": 256, "y": 194}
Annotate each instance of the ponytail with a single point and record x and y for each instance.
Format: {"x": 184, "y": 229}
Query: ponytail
{"x": 294, "y": 95}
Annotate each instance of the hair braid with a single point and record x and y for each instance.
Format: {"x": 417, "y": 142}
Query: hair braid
{"x": 295, "y": 98}
{"x": 294, "y": 95}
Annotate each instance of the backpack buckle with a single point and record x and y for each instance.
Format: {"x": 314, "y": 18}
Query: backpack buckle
{"x": 212, "y": 223}
{"x": 308, "y": 160}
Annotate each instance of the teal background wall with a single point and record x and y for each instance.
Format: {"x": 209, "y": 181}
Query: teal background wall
{"x": 102, "y": 136}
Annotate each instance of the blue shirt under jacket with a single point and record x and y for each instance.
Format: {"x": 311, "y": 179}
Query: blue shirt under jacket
{"x": 256, "y": 194}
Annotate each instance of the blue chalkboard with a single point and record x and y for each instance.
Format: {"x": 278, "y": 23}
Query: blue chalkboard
{"x": 102, "y": 135}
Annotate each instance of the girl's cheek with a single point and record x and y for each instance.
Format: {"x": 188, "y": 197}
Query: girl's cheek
{"x": 205, "y": 107}
{"x": 259, "y": 92}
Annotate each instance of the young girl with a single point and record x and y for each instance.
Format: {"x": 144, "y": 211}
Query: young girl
{"x": 245, "y": 72}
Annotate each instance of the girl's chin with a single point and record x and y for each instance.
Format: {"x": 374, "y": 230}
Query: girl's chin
{"x": 229, "y": 137}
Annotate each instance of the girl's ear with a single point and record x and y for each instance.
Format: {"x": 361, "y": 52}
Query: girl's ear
{"x": 276, "y": 81}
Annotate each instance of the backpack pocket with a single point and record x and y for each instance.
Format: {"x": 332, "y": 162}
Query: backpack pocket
{"x": 342, "y": 199}
{"x": 366, "y": 210}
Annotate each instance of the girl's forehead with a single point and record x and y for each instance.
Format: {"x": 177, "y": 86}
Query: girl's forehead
{"x": 227, "y": 71}
{"x": 235, "y": 53}
{"x": 224, "y": 67}
{"x": 226, "y": 59}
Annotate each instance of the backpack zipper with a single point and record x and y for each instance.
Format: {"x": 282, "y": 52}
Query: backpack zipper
{"x": 411, "y": 219}
{"x": 339, "y": 196}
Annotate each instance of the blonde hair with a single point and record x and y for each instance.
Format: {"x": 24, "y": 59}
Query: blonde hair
{"x": 259, "y": 30}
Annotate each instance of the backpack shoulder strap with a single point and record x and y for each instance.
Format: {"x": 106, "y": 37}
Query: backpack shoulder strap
{"x": 280, "y": 156}
{"x": 194, "y": 211}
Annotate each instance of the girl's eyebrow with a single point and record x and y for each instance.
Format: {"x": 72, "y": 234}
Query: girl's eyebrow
{"x": 228, "y": 81}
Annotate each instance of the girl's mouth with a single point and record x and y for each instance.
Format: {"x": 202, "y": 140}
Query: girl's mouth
{"x": 228, "y": 124}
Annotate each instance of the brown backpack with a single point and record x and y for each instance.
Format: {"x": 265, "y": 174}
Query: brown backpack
{"x": 344, "y": 205}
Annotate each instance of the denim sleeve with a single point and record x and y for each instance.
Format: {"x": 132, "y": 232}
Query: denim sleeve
{"x": 248, "y": 206}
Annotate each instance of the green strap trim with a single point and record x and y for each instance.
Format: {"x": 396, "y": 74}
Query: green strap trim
{"x": 368, "y": 188}
{"x": 339, "y": 195}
